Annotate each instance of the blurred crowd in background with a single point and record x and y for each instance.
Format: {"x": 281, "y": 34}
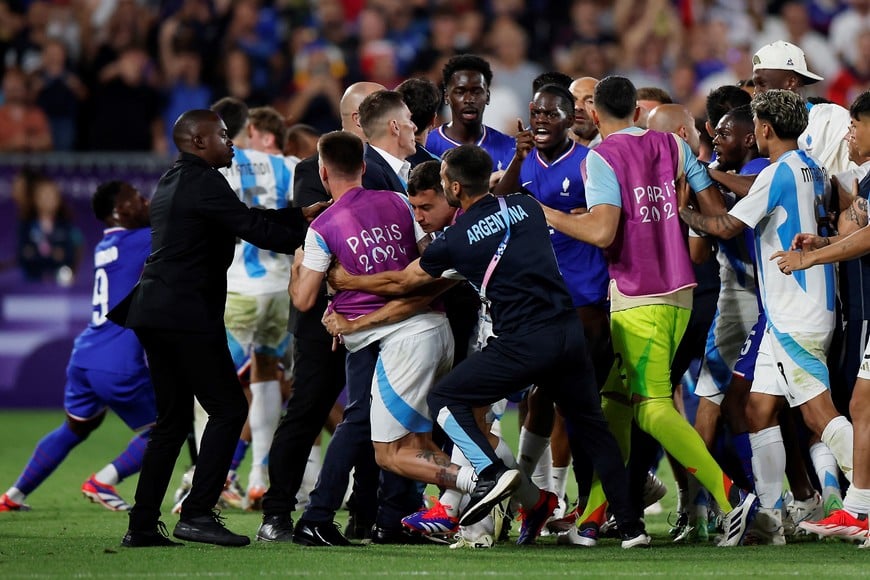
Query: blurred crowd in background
{"x": 112, "y": 75}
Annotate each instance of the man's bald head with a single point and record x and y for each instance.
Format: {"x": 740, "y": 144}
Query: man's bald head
{"x": 583, "y": 90}
{"x": 202, "y": 132}
{"x": 349, "y": 106}
{"x": 674, "y": 118}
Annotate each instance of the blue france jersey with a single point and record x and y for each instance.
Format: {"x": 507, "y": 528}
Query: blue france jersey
{"x": 118, "y": 262}
{"x": 559, "y": 185}
{"x": 265, "y": 181}
{"x": 500, "y": 147}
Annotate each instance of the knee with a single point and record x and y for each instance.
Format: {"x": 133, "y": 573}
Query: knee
{"x": 84, "y": 428}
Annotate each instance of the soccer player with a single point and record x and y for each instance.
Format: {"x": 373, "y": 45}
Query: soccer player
{"x": 466, "y": 80}
{"x": 372, "y": 231}
{"x": 633, "y": 214}
{"x": 549, "y": 169}
{"x": 257, "y": 303}
{"x": 538, "y": 339}
{"x": 790, "y": 366}
{"x": 850, "y": 248}
{"x": 107, "y": 367}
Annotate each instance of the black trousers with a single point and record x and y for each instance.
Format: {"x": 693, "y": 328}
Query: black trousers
{"x": 185, "y": 365}
{"x": 554, "y": 358}
{"x": 319, "y": 379}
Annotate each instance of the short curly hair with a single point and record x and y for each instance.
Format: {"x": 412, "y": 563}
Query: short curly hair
{"x": 466, "y": 62}
{"x": 784, "y": 110}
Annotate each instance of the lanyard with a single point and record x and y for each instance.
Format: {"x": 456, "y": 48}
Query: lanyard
{"x": 499, "y": 251}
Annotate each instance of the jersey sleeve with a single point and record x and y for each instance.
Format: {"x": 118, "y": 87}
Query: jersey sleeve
{"x": 436, "y": 259}
{"x": 697, "y": 175}
{"x": 755, "y": 206}
{"x": 601, "y": 183}
{"x": 317, "y": 253}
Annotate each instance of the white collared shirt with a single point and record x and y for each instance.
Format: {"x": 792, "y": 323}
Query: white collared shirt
{"x": 400, "y": 166}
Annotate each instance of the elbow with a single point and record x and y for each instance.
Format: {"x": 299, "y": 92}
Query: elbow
{"x": 604, "y": 239}
{"x": 302, "y": 303}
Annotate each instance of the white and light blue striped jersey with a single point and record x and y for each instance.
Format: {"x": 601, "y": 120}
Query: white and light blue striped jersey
{"x": 265, "y": 181}
{"x": 783, "y": 202}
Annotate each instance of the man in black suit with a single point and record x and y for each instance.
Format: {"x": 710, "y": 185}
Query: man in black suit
{"x": 177, "y": 311}
{"x": 386, "y": 121}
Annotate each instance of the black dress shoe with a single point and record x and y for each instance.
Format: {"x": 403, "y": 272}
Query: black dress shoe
{"x": 156, "y": 538}
{"x": 399, "y": 536}
{"x": 319, "y": 534}
{"x": 208, "y": 529}
{"x": 276, "y": 528}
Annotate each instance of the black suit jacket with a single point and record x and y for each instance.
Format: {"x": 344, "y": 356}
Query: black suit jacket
{"x": 379, "y": 174}
{"x": 196, "y": 219}
{"x": 422, "y": 154}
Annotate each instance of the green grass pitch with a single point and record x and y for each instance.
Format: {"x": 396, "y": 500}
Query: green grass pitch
{"x": 65, "y": 536}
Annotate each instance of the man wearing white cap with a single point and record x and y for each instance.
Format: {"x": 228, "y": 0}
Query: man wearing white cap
{"x": 782, "y": 65}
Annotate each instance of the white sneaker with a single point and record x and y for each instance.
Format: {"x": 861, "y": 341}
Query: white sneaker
{"x": 808, "y": 510}
{"x": 737, "y": 521}
{"x": 569, "y": 538}
{"x": 183, "y": 490}
{"x": 475, "y": 542}
{"x": 768, "y": 526}
{"x": 653, "y": 490}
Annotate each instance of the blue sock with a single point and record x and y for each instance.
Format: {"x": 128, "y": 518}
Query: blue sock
{"x": 49, "y": 453}
{"x": 130, "y": 461}
{"x": 744, "y": 453}
{"x": 239, "y": 455}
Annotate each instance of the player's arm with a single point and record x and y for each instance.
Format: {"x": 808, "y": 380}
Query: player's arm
{"x": 597, "y": 226}
{"x": 825, "y": 250}
{"x": 395, "y": 310}
{"x": 724, "y": 226}
{"x": 510, "y": 180}
{"x": 304, "y": 284}
{"x": 739, "y": 184}
{"x": 700, "y": 249}
{"x": 853, "y": 208}
{"x": 392, "y": 283}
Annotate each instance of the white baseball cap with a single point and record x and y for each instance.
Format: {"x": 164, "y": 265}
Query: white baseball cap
{"x": 782, "y": 55}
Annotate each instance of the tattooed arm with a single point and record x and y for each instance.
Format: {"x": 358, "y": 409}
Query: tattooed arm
{"x": 722, "y": 226}
{"x": 854, "y": 217}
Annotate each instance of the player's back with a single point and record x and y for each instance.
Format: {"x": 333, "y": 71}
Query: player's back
{"x": 118, "y": 261}
{"x": 264, "y": 181}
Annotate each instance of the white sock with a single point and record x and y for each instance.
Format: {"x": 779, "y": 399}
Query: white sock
{"x": 309, "y": 477}
{"x": 466, "y": 479}
{"x": 768, "y": 464}
{"x": 15, "y": 495}
{"x": 264, "y": 416}
{"x": 107, "y": 475}
{"x": 837, "y": 435}
{"x": 496, "y": 428}
{"x": 200, "y": 418}
{"x": 857, "y": 501}
{"x": 452, "y": 498}
{"x": 559, "y": 481}
{"x": 531, "y": 449}
{"x": 542, "y": 476}
{"x": 825, "y": 465}
{"x": 505, "y": 453}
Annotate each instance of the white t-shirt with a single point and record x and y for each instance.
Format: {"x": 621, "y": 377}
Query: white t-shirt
{"x": 781, "y": 204}
{"x": 825, "y": 137}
